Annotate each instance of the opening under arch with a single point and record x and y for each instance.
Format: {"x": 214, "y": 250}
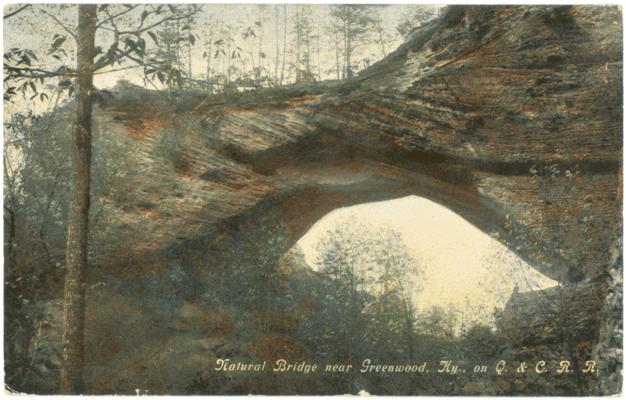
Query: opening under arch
{"x": 461, "y": 267}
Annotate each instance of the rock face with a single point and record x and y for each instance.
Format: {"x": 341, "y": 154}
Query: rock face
{"x": 509, "y": 116}
{"x": 545, "y": 317}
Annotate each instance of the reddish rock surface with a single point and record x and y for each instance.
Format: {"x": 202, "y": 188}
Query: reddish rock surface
{"x": 509, "y": 116}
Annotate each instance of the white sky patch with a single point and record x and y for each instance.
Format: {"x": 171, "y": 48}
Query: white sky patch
{"x": 462, "y": 267}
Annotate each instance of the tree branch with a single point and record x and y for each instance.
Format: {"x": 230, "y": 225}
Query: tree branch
{"x": 141, "y": 30}
{"x": 109, "y": 59}
{"x": 9, "y": 15}
{"x": 113, "y": 16}
{"x": 61, "y": 24}
{"x": 35, "y": 73}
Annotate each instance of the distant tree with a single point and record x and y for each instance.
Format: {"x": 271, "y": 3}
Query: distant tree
{"x": 368, "y": 276}
{"x": 351, "y": 23}
{"x": 172, "y": 41}
{"x": 260, "y": 69}
{"x": 384, "y": 39}
{"x": 438, "y": 322}
{"x": 303, "y": 31}
{"x": 417, "y": 17}
{"x": 282, "y": 68}
{"x": 208, "y": 54}
{"x": 396, "y": 274}
{"x": 480, "y": 343}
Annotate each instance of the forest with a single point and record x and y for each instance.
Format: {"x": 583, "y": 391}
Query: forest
{"x": 161, "y": 161}
{"x": 212, "y": 48}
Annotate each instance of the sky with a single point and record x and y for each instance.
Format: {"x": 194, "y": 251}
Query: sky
{"x": 463, "y": 267}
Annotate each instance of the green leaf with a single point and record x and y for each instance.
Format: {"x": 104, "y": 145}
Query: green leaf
{"x": 58, "y": 42}
{"x": 154, "y": 37}
{"x": 144, "y": 15}
{"x": 141, "y": 45}
{"x": 130, "y": 43}
{"x": 192, "y": 39}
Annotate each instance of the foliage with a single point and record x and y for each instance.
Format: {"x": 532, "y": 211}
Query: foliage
{"x": 363, "y": 293}
{"x": 158, "y": 43}
{"x": 36, "y": 197}
{"x": 353, "y": 21}
{"x": 417, "y": 18}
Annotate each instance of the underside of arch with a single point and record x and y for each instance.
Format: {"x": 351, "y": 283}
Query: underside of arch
{"x": 509, "y": 116}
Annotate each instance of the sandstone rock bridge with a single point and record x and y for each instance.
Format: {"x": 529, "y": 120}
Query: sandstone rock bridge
{"x": 509, "y": 116}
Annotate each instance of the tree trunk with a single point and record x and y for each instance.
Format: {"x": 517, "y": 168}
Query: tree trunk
{"x": 348, "y": 53}
{"x": 381, "y": 39}
{"x": 10, "y": 242}
{"x": 259, "y": 66}
{"x": 78, "y": 219}
{"x": 209, "y": 57}
{"x": 189, "y": 50}
{"x": 230, "y": 63}
{"x": 276, "y": 35}
{"x": 319, "y": 68}
{"x": 298, "y": 38}
{"x": 179, "y": 57}
{"x": 282, "y": 70}
{"x": 337, "y": 55}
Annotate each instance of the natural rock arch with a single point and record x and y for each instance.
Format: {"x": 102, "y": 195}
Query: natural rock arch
{"x": 509, "y": 116}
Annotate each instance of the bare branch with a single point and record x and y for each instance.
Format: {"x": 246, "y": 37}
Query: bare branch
{"x": 35, "y": 73}
{"x": 117, "y": 69}
{"x": 111, "y": 17}
{"x": 110, "y": 59}
{"x": 61, "y": 24}
{"x": 9, "y": 15}
{"x": 141, "y": 30}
